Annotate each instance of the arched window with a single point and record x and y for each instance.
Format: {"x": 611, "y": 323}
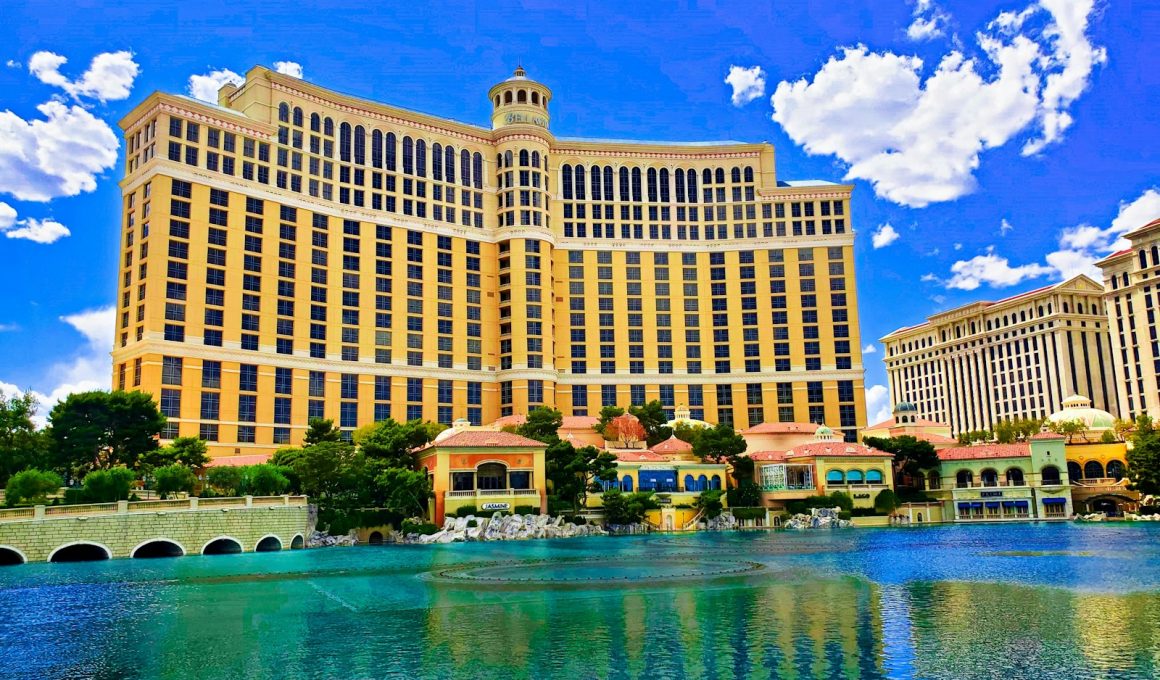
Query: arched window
{"x": 376, "y": 149}
{"x": 625, "y": 193}
{"x": 636, "y": 184}
{"x": 508, "y": 159}
{"x": 873, "y": 476}
{"x": 702, "y": 483}
{"x": 1074, "y": 471}
{"x": 692, "y": 175}
{"x": 344, "y": 142}
{"x": 1143, "y": 259}
{"x": 566, "y": 181}
{"x": 1115, "y": 470}
{"x": 706, "y": 177}
{"x": 1049, "y": 475}
{"x": 720, "y": 176}
{"x": 933, "y": 480}
{"x": 652, "y": 185}
{"x": 835, "y": 477}
{"x": 391, "y": 141}
{"x": 989, "y": 477}
{"x": 408, "y": 155}
{"x": 579, "y": 170}
{"x": 1093, "y": 469}
{"x": 748, "y": 174}
{"x": 298, "y": 116}
{"x": 420, "y": 158}
{"x": 1155, "y": 256}
{"x": 449, "y": 163}
{"x": 715, "y": 483}
{"x": 497, "y": 100}
{"x": 437, "y": 161}
{"x": 535, "y": 159}
{"x": 328, "y": 127}
{"x": 284, "y": 112}
{"x": 626, "y": 483}
{"x": 690, "y": 483}
{"x": 524, "y": 158}
{"x": 507, "y": 97}
{"x": 608, "y": 182}
{"x": 594, "y": 178}
{"x": 854, "y": 477}
{"x": 477, "y": 169}
{"x": 360, "y": 145}
{"x": 664, "y": 185}
{"x": 315, "y": 122}
{"x": 1014, "y": 477}
{"x": 536, "y": 98}
{"x": 491, "y": 476}
{"x": 680, "y": 177}
{"x": 735, "y": 175}
{"x": 465, "y": 165}
{"x": 963, "y": 479}
{"x": 522, "y": 97}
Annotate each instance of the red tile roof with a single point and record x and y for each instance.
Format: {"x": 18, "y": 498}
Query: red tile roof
{"x": 886, "y": 424}
{"x": 1153, "y": 223}
{"x": 985, "y": 451}
{"x": 1048, "y": 435}
{"x": 234, "y": 461}
{"x": 767, "y": 456}
{"x": 782, "y": 428}
{"x": 672, "y": 445}
{"x": 834, "y": 449}
{"x": 487, "y": 438}
{"x": 514, "y": 420}
{"x": 640, "y": 456}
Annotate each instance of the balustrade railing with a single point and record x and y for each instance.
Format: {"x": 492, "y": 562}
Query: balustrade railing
{"x": 483, "y": 493}
{"x": 128, "y": 507}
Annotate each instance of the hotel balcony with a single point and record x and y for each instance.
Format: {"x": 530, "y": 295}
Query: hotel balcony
{"x": 491, "y": 493}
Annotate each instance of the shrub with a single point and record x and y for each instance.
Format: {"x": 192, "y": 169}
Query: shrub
{"x": 31, "y": 487}
{"x": 225, "y": 479}
{"x": 578, "y": 521}
{"x": 465, "y": 510}
{"x": 747, "y": 513}
{"x": 886, "y": 502}
{"x": 107, "y": 486}
{"x": 845, "y": 514}
{"x": 172, "y": 479}
{"x": 471, "y": 523}
{"x": 1149, "y": 510}
{"x": 421, "y": 528}
{"x": 340, "y": 522}
{"x": 834, "y": 500}
{"x": 263, "y": 480}
{"x": 527, "y": 510}
{"x": 74, "y": 496}
{"x": 841, "y": 500}
{"x": 709, "y": 501}
{"x": 866, "y": 512}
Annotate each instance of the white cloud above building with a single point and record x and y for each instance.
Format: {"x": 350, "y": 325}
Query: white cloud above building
{"x": 109, "y": 77}
{"x": 747, "y": 83}
{"x": 884, "y": 235}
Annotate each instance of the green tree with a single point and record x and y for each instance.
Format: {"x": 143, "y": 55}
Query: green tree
{"x": 189, "y": 452}
{"x": 718, "y": 443}
{"x": 1144, "y": 457}
{"x": 321, "y": 430}
{"x": 542, "y": 424}
{"x": 1068, "y": 428}
{"x": 31, "y": 487}
{"x": 574, "y": 472}
{"x": 21, "y": 445}
{"x": 1011, "y": 431}
{"x": 886, "y": 502}
{"x": 972, "y": 436}
{"x": 106, "y": 486}
{"x": 709, "y": 502}
{"x": 172, "y": 479}
{"x": 101, "y": 430}
{"x": 653, "y": 418}
{"x": 687, "y": 432}
{"x": 225, "y": 479}
{"x": 325, "y": 470}
{"x": 911, "y": 455}
{"x": 627, "y": 508}
{"x": 404, "y": 492}
{"x": 395, "y": 443}
{"x": 263, "y": 480}
{"x": 607, "y": 413}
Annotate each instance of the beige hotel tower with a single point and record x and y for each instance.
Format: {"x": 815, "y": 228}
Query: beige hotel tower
{"x": 292, "y": 252}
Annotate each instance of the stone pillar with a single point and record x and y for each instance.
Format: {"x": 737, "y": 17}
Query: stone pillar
{"x": 38, "y": 512}
{"x": 122, "y": 507}
{"x": 249, "y": 501}
{"x": 193, "y": 502}
{"x": 285, "y": 499}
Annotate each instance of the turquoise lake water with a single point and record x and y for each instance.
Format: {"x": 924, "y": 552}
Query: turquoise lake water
{"x": 1014, "y": 601}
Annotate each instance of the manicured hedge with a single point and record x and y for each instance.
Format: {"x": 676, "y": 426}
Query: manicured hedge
{"x": 747, "y": 513}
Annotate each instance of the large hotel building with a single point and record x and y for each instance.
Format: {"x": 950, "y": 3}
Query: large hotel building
{"x": 293, "y": 252}
{"x": 1132, "y": 287}
{"x": 1021, "y": 357}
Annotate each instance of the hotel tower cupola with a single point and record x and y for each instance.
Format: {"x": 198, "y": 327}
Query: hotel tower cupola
{"x": 519, "y": 101}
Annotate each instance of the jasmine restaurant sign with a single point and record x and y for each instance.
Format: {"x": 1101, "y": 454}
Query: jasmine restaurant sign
{"x": 525, "y": 118}
{"x": 496, "y": 506}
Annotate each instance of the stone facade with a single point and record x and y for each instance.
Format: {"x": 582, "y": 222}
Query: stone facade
{"x": 122, "y": 533}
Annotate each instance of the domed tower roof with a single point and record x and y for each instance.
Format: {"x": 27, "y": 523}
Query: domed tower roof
{"x": 824, "y": 433}
{"x": 1077, "y": 407}
{"x": 519, "y": 100}
{"x": 905, "y": 407}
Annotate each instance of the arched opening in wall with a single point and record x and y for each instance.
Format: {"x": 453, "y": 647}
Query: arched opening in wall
{"x": 507, "y": 97}
{"x": 159, "y": 548}
{"x": 269, "y": 544}
{"x": 376, "y": 538}
{"x": 10, "y": 556}
{"x": 297, "y": 543}
{"x": 1050, "y": 475}
{"x": 80, "y": 552}
{"x": 222, "y": 546}
{"x": 1093, "y": 469}
{"x": 522, "y": 97}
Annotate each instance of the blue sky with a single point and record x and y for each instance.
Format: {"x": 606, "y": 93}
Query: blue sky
{"x": 994, "y": 146}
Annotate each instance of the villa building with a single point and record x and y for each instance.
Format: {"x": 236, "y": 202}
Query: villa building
{"x": 1132, "y": 295}
{"x": 485, "y": 469}
{"x": 976, "y": 365}
{"x": 292, "y": 252}
{"x": 905, "y": 422}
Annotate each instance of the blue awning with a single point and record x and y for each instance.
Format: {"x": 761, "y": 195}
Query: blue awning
{"x": 976, "y": 505}
{"x": 1008, "y": 504}
{"x": 964, "y": 506}
{"x": 1021, "y": 504}
{"x": 1054, "y": 501}
{"x": 992, "y": 504}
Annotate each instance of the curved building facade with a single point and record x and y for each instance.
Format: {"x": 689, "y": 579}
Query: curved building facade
{"x": 293, "y": 252}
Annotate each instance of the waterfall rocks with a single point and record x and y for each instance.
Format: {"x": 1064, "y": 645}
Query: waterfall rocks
{"x": 723, "y": 522}
{"x": 819, "y": 518}
{"x": 501, "y": 527}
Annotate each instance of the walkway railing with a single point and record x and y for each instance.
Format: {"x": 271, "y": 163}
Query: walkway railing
{"x": 692, "y": 524}
{"x": 484, "y": 493}
{"x": 1099, "y": 481}
{"x": 126, "y": 507}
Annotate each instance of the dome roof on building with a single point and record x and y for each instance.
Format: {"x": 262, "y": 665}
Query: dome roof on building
{"x": 1079, "y": 408}
{"x": 905, "y": 407}
{"x": 681, "y": 416}
{"x": 823, "y": 431}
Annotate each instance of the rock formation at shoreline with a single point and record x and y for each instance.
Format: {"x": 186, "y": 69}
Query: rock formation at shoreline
{"x": 819, "y": 518}
{"x": 501, "y": 527}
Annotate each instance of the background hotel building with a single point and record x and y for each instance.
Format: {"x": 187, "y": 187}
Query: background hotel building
{"x": 294, "y": 252}
{"x": 1020, "y": 357}
{"x": 1132, "y": 287}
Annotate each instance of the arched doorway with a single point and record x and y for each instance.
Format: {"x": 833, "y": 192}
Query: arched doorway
{"x": 933, "y": 481}
{"x": 1105, "y": 505}
{"x": 491, "y": 476}
{"x": 1093, "y": 469}
{"x": 626, "y": 483}
{"x": 376, "y": 538}
{"x": 160, "y": 547}
{"x": 1050, "y": 475}
{"x": 1014, "y": 477}
{"x": 297, "y": 543}
{"x": 918, "y": 518}
{"x": 989, "y": 477}
{"x": 80, "y": 552}
{"x": 10, "y": 556}
{"x": 223, "y": 545}
{"x": 1115, "y": 470}
{"x": 964, "y": 478}
{"x": 269, "y": 544}
{"x": 1074, "y": 471}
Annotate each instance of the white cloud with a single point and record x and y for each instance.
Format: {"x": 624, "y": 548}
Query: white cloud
{"x": 877, "y": 403}
{"x": 205, "y": 87}
{"x": 60, "y": 154}
{"x": 957, "y": 246}
{"x": 883, "y": 236}
{"x": 930, "y": 21}
{"x": 1005, "y": 227}
{"x": 290, "y": 68}
{"x": 7, "y": 216}
{"x": 8, "y": 327}
{"x": 993, "y": 270}
{"x": 110, "y": 75}
{"x": 12, "y": 63}
{"x": 38, "y": 231}
{"x": 870, "y": 349}
{"x": 918, "y": 137}
{"x": 90, "y": 367}
{"x": 747, "y": 83}
{"x": 929, "y": 277}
